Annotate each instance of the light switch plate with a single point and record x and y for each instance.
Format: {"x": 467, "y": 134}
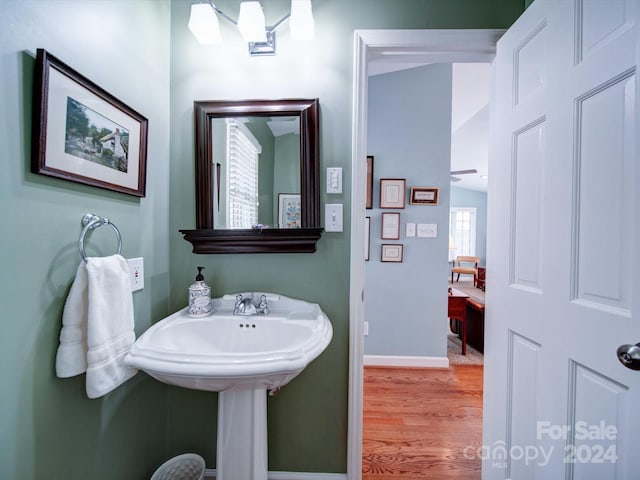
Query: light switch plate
{"x": 427, "y": 230}
{"x": 334, "y": 180}
{"x": 411, "y": 230}
{"x": 333, "y": 217}
{"x": 136, "y": 273}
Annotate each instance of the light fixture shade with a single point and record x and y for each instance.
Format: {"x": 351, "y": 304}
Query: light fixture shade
{"x": 203, "y": 23}
{"x": 251, "y": 22}
{"x": 301, "y": 21}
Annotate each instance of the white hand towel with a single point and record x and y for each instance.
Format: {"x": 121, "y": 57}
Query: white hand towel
{"x": 97, "y": 325}
{"x": 71, "y": 359}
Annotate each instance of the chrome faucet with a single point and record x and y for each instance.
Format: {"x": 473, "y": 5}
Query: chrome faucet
{"x": 248, "y": 305}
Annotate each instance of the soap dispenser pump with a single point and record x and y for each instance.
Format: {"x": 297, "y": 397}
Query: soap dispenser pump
{"x": 199, "y": 296}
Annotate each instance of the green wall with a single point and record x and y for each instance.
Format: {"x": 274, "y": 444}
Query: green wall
{"x": 49, "y": 428}
{"x": 142, "y": 52}
{"x": 308, "y": 420}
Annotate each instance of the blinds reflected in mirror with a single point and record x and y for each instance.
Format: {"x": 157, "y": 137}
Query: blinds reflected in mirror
{"x": 243, "y": 154}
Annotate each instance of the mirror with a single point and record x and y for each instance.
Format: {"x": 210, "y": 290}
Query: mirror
{"x": 257, "y": 176}
{"x": 256, "y": 172}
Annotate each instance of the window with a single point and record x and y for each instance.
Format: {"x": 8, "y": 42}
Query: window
{"x": 242, "y": 181}
{"x": 462, "y": 227}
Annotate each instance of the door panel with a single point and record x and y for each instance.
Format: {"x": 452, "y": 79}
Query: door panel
{"x": 522, "y": 402}
{"x": 561, "y": 257}
{"x": 528, "y": 157}
{"x": 596, "y": 402}
{"x": 604, "y": 128}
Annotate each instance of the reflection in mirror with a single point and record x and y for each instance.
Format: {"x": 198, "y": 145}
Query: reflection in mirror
{"x": 257, "y": 178}
{"x": 257, "y": 172}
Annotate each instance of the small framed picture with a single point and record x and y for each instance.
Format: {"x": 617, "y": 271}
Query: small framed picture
{"x": 369, "y": 199}
{"x": 391, "y": 226}
{"x": 367, "y": 238}
{"x": 424, "y": 196}
{"x": 84, "y": 134}
{"x": 392, "y": 253}
{"x": 392, "y": 192}
{"x": 289, "y": 210}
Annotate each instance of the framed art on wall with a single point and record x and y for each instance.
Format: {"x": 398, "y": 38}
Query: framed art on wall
{"x": 392, "y": 192}
{"x": 392, "y": 252}
{"x": 369, "y": 199}
{"x": 391, "y": 226}
{"x": 84, "y": 134}
{"x": 424, "y": 196}
{"x": 289, "y": 210}
{"x": 367, "y": 238}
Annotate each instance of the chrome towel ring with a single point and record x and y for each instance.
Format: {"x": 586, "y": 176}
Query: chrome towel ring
{"x": 91, "y": 221}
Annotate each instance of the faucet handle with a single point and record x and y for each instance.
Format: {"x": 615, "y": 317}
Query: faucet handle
{"x": 263, "y": 308}
{"x": 263, "y": 301}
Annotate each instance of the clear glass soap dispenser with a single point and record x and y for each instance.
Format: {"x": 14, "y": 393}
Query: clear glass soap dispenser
{"x": 199, "y": 296}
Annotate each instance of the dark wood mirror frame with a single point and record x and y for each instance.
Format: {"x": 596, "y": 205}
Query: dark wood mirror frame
{"x": 206, "y": 239}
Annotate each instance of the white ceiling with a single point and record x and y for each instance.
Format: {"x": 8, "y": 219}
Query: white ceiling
{"x": 469, "y": 115}
{"x": 470, "y": 123}
{"x": 284, "y": 125}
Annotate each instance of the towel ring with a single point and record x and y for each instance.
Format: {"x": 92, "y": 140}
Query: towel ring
{"x": 91, "y": 221}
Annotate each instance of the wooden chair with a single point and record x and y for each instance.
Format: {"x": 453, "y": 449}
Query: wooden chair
{"x": 462, "y": 265}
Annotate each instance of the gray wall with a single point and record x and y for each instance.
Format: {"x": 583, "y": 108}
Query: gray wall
{"x": 409, "y": 135}
{"x": 49, "y": 428}
{"x": 464, "y": 197}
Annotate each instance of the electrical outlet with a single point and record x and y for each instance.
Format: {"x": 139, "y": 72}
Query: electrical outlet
{"x": 136, "y": 271}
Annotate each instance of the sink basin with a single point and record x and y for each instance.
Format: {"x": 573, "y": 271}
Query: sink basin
{"x": 223, "y": 351}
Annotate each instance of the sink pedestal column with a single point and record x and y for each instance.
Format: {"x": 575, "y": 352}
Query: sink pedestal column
{"x": 242, "y": 435}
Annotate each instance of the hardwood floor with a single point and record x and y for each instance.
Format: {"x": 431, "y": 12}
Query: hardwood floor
{"x": 418, "y": 423}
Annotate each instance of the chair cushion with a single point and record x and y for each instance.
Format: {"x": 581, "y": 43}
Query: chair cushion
{"x": 469, "y": 270}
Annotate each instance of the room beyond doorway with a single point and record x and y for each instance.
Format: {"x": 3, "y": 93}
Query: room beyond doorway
{"x": 441, "y": 46}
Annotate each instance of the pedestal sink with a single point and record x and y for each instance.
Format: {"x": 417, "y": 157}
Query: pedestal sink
{"x": 242, "y": 357}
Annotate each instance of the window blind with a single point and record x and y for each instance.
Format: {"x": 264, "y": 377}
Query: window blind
{"x": 243, "y": 151}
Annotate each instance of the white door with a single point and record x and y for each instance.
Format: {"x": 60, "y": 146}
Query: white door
{"x": 563, "y": 257}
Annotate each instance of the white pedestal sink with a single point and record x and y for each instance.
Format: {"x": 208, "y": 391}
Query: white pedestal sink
{"x": 241, "y": 357}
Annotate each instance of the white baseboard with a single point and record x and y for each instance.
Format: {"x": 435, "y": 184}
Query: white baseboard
{"x": 405, "y": 361}
{"x": 210, "y": 474}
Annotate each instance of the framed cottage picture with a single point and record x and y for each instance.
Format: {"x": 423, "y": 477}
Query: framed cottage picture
{"x": 84, "y": 134}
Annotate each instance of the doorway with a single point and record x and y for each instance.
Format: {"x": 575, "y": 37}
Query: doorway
{"x": 442, "y": 46}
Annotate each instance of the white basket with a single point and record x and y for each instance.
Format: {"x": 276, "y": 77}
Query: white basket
{"x": 188, "y": 466}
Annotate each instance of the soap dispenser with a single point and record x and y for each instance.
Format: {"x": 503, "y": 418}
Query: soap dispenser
{"x": 199, "y": 296}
